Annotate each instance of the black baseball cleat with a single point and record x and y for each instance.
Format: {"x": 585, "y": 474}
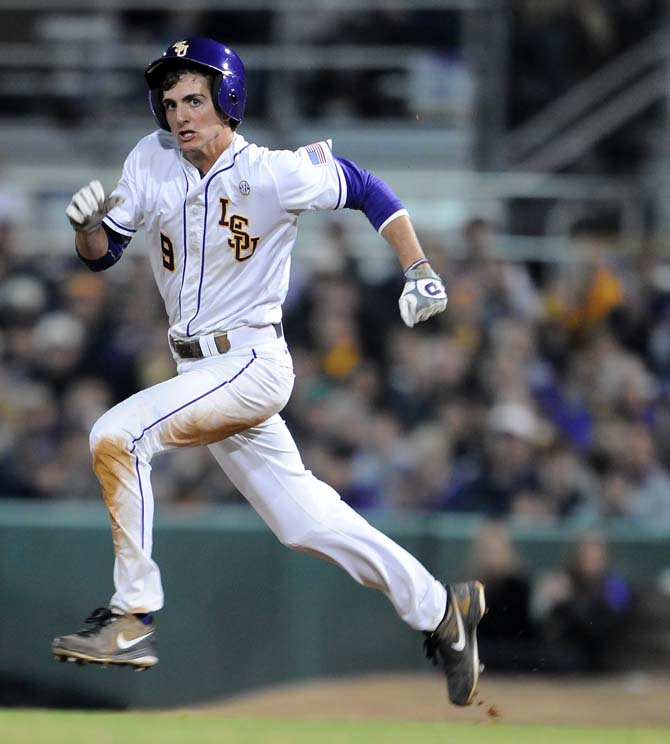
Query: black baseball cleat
{"x": 453, "y": 644}
{"x": 112, "y": 637}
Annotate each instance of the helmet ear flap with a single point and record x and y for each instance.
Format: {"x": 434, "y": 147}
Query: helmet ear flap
{"x": 156, "y": 106}
{"x": 218, "y": 92}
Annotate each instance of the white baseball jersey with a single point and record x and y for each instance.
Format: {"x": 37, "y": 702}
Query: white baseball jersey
{"x": 220, "y": 245}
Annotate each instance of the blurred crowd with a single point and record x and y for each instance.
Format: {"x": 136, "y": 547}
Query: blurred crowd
{"x": 542, "y": 393}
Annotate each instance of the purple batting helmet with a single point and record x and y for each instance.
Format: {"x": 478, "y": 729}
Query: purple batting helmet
{"x": 229, "y": 93}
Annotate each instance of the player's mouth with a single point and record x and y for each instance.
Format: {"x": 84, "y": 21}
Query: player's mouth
{"x": 186, "y": 135}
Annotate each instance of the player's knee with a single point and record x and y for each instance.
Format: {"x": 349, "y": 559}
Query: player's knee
{"x": 288, "y": 541}
{"x": 289, "y": 537}
{"x": 297, "y": 539}
{"x": 107, "y": 436}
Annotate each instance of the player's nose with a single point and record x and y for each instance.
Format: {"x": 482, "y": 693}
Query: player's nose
{"x": 182, "y": 114}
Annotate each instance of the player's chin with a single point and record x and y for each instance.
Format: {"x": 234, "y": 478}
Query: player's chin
{"x": 188, "y": 142}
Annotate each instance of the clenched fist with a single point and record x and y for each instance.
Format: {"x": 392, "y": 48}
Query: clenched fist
{"x": 423, "y": 296}
{"x": 88, "y": 207}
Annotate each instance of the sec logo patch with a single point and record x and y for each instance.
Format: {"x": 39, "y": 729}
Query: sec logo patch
{"x": 245, "y": 188}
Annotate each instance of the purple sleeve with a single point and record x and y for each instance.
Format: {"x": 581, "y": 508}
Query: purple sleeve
{"x": 116, "y": 244}
{"x": 368, "y": 193}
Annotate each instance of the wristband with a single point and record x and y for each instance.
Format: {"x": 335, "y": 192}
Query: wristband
{"x": 418, "y": 262}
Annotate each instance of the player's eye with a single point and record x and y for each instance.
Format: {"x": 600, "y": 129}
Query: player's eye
{"x": 168, "y": 105}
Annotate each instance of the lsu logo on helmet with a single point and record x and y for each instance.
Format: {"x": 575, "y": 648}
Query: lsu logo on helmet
{"x": 180, "y": 48}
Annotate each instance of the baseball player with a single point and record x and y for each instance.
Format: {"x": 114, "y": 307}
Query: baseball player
{"x": 220, "y": 215}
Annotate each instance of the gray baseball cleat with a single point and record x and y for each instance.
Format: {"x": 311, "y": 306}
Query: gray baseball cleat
{"x": 112, "y": 638}
{"x": 453, "y": 644}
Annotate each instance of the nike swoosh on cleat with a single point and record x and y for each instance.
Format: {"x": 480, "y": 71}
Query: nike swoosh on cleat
{"x": 459, "y": 645}
{"x": 123, "y": 644}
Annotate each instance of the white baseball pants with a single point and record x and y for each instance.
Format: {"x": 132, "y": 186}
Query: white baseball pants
{"x": 230, "y": 402}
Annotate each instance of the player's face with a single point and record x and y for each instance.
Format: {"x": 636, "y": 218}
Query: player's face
{"x": 194, "y": 122}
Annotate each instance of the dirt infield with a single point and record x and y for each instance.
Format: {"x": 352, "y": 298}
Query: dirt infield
{"x": 632, "y": 700}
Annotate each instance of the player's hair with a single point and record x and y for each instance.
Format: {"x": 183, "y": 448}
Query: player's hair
{"x": 172, "y": 77}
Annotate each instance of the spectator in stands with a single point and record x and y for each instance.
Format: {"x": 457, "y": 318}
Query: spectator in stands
{"x": 614, "y": 497}
{"x": 507, "y": 362}
{"x": 650, "y": 499}
{"x": 30, "y": 457}
{"x": 428, "y": 469}
{"x": 583, "y": 607}
{"x": 506, "y": 473}
{"x": 655, "y": 341}
{"x": 383, "y": 463}
{"x": 566, "y": 483}
{"x": 58, "y": 341}
{"x": 584, "y": 294}
{"x": 14, "y": 211}
{"x": 661, "y": 431}
{"x": 595, "y": 32}
{"x": 369, "y": 392}
{"x": 411, "y": 382}
{"x": 508, "y": 287}
{"x": 507, "y": 634}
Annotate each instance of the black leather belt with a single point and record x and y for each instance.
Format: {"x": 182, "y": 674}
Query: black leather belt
{"x": 192, "y": 350}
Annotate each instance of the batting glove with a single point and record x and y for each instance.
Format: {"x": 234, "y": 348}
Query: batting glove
{"x": 88, "y": 207}
{"x": 424, "y": 294}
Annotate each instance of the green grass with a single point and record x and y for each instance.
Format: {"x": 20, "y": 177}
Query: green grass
{"x": 59, "y": 727}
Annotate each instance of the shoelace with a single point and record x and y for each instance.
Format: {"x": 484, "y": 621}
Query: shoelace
{"x": 98, "y": 619}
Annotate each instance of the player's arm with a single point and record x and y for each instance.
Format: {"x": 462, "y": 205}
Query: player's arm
{"x": 91, "y": 246}
{"x": 97, "y": 245}
{"x": 424, "y": 294}
{"x": 399, "y": 234}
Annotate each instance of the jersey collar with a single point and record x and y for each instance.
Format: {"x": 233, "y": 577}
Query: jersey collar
{"x": 225, "y": 159}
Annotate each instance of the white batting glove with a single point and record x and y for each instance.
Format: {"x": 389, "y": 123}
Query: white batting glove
{"x": 88, "y": 207}
{"x": 424, "y": 294}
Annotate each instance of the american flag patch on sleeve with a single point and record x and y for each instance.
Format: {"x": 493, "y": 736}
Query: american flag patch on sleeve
{"x": 316, "y": 153}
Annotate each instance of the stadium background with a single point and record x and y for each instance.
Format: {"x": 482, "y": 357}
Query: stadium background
{"x": 524, "y": 435}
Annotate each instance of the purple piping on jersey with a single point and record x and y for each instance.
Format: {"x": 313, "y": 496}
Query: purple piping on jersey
{"x": 339, "y": 179}
{"x": 204, "y": 238}
{"x": 139, "y": 480}
{"x": 339, "y": 186}
{"x": 195, "y": 400}
{"x": 118, "y": 224}
{"x": 368, "y": 193}
{"x": 183, "y": 270}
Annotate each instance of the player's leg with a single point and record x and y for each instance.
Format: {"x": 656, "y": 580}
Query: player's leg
{"x": 215, "y": 398}
{"x": 307, "y": 514}
{"x": 210, "y": 400}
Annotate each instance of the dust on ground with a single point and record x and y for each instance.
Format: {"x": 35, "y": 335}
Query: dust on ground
{"x": 630, "y": 700}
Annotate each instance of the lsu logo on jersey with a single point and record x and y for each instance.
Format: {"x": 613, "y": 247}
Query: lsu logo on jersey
{"x": 241, "y": 240}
